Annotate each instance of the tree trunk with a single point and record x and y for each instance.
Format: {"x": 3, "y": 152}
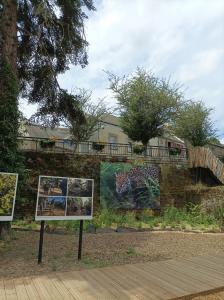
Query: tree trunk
{"x": 8, "y": 32}
{"x": 8, "y": 92}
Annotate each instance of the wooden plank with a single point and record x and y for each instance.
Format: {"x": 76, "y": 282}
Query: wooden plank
{"x": 109, "y": 284}
{"x": 192, "y": 276}
{"x": 175, "y": 280}
{"x": 206, "y": 268}
{"x": 90, "y": 287}
{"x": 2, "y": 290}
{"x": 100, "y": 292}
{"x": 144, "y": 281}
{"x": 49, "y": 288}
{"x": 142, "y": 287}
{"x": 129, "y": 284}
{"x": 218, "y": 261}
{"x": 60, "y": 286}
{"x": 163, "y": 288}
{"x": 216, "y": 266}
{"x": 41, "y": 289}
{"x": 20, "y": 289}
{"x": 77, "y": 286}
{"x": 10, "y": 291}
{"x": 30, "y": 289}
{"x": 172, "y": 286}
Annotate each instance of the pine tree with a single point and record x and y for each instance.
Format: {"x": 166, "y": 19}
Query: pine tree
{"x": 39, "y": 39}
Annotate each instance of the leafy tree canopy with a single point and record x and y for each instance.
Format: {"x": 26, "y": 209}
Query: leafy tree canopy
{"x": 146, "y": 104}
{"x": 194, "y": 124}
{"x": 215, "y": 141}
{"x": 50, "y": 36}
{"x": 75, "y": 111}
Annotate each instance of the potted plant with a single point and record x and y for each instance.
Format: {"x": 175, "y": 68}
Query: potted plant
{"x": 48, "y": 143}
{"x": 174, "y": 151}
{"x": 98, "y": 146}
{"x": 138, "y": 149}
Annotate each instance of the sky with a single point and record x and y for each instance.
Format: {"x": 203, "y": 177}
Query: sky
{"x": 183, "y": 40}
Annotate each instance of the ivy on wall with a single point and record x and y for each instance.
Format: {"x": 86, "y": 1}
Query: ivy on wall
{"x": 10, "y": 159}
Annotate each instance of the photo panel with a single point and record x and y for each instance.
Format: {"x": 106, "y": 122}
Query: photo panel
{"x": 51, "y": 206}
{"x": 80, "y": 187}
{"x": 129, "y": 186}
{"x": 62, "y": 198}
{"x": 52, "y": 186}
{"x": 8, "y": 186}
{"x": 79, "y": 206}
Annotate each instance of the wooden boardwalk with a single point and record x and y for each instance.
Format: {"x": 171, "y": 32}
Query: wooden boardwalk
{"x": 168, "y": 279}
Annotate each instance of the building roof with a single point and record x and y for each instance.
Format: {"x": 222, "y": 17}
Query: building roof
{"x": 42, "y": 132}
{"x": 36, "y": 131}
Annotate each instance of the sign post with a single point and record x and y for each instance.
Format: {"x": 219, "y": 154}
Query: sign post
{"x": 41, "y": 242}
{"x": 80, "y": 239}
{"x": 64, "y": 198}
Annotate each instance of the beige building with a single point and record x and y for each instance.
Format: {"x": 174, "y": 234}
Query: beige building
{"x": 108, "y": 131}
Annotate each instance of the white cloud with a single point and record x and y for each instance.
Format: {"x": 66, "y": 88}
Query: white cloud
{"x": 181, "y": 39}
{"x": 202, "y": 64}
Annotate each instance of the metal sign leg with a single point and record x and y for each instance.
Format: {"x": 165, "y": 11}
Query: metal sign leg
{"x": 41, "y": 242}
{"x": 80, "y": 240}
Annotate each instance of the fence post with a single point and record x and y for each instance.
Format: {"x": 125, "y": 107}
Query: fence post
{"x": 80, "y": 240}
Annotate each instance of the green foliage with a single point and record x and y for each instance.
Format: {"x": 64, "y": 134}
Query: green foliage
{"x": 139, "y": 149}
{"x": 9, "y": 157}
{"x": 7, "y": 190}
{"x": 146, "y": 103}
{"x": 91, "y": 113}
{"x": 98, "y": 147}
{"x": 174, "y": 151}
{"x": 219, "y": 215}
{"x": 194, "y": 124}
{"x": 46, "y": 50}
{"x": 107, "y": 182}
{"x": 214, "y": 140}
{"x": 47, "y": 143}
{"x": 191, "y": 217}
{"x": 131, "y": 251}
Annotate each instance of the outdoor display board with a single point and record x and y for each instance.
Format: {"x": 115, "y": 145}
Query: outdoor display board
{"x": 128, "y": 186}
{"x": 64, "y": 198}
{"x": 8, "y": 186}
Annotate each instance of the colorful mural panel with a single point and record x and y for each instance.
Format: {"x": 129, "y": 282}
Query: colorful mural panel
{"x": 64, "y": 198}
{"x": 128, "y": 186}
{"x": 8, "y": 186}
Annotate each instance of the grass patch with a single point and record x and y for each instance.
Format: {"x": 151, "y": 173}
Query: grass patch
{"x": 131, "y": 251}
{"x": 93, "y": 263}
{"x": 191, "y": 217}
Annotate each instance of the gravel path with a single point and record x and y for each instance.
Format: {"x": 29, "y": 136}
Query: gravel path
{"x": 18, "y": 257}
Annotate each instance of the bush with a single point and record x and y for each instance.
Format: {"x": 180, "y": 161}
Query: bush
{"x": 97, "y": 146}
{"x": 174, "y": 151}
{"x": 138, "y": 149}
{"x": 47, "y": 143}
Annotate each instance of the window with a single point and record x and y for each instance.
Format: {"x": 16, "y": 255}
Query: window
{"x": 113, "y": 142}
{"x": 129, "y": 147}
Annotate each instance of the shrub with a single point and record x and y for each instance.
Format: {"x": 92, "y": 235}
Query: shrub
{"x": 47, "y": 143}
{"x": 97, "y": 146}
{"x": 174, "y": 151}
{"x": 139, "y": 149}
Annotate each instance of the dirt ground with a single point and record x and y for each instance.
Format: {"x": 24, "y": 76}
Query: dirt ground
{"x": 212, "y": 296}
{"x": 19, "y": 256}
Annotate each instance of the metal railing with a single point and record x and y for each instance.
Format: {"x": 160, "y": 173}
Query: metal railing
{"x": 94, "y": 148}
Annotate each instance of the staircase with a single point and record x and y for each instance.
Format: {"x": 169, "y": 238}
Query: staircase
{"x": 204, "y": 158}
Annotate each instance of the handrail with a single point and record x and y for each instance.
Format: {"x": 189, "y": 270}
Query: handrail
{"x": 93, "y": 147}
{"x": 90, "y": 142}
